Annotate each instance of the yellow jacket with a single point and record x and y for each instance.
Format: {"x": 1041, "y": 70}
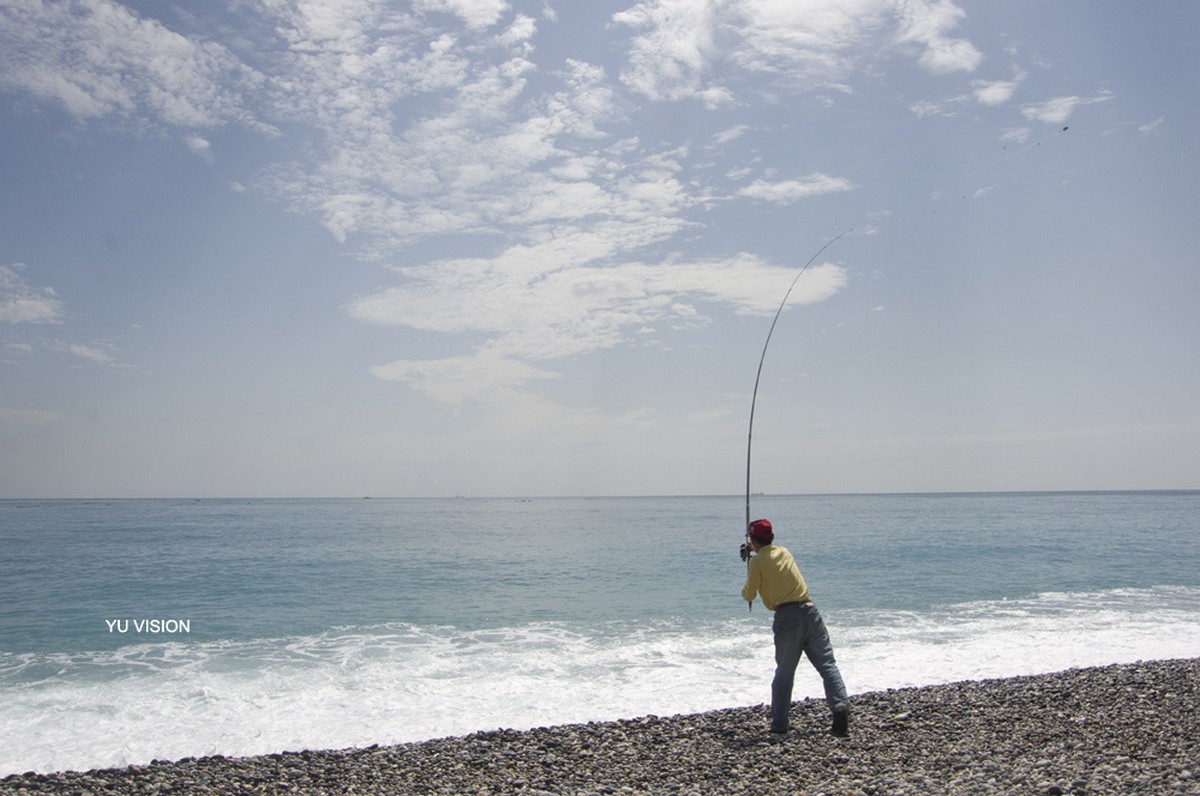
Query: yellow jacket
{"x": 773, "y": 574}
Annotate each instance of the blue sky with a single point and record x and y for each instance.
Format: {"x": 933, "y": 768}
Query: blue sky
{"x": 480, "y": 247}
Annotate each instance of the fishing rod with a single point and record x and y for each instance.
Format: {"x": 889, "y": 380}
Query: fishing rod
{"x": 763, "y": 358}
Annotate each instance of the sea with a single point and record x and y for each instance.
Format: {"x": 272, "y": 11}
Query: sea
{"x": 133, "y": 630}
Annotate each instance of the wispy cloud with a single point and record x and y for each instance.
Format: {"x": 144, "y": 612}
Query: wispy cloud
{"x": 732, "y": 134}
{"x": 1015, "y": 135}
{"x": 994, "y": 92}
{"x": 199, "y": 146}
{"x": 1151, "y": 127}
{"x": 485, "y": 375}
{"x": 432, "y": 123}
{"x": 813, "y": 44}
{"x": 490, "y": 157}
{"x": 786, "y": 192}
{"x": 926, "y": 23}
{"x": 534, "y": 314}
{"x": 983, "y": 92}
{"x": 948, "y": 108}
{"x": 670, "y": 55}
{"x": 98, "y": 58}
{"x": 476, "y": 13}
{"x": 1059, "y": 109}
{"x": 99, "y": 353}
{"x": 22, "y": 303}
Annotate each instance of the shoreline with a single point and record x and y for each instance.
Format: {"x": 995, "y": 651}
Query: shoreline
{"x": 1121, "y": 728}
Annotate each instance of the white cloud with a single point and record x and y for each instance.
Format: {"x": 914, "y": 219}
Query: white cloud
{"x": 732, "y": 134}
{"x": 1059, "y": 109}
{"x": 788, "y": 191}
{"x": 1015, "y": 135}
{"x": 100, "y": 353}
{"x": 668, "y": 60}
{"x": 925, "y": 23}
{"x": 199, "y": 146}
{"x": 1055, "y": 111}
{"x": 533, "y": 311}
{"x": 431, "y": 122}
{"x": 816, "y": 42}
{"x": 1152, "y": 127}
{"x": 97, "y": 58}
{"x": 542, "y": 169}
{"x": 520, "y": 32}
{"x": 21, "y": 303}
{"x": 489, "y": 155}
{"x": 946, "y": 108}
{"x": 483, "y": 376}
{"x": 811, "y": 44}
{"x": 91, "y": 353}
{"x": 994, "y": 92}
{"x": 983, "y": 92}
{"x": 312, "y": 26}
{"x": 476, "y": 13}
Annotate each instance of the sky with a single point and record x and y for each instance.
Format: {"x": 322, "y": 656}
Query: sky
{"x": 495, "y": 247}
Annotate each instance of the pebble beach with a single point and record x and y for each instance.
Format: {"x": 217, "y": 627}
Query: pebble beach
{"x": 1128, "y": 729}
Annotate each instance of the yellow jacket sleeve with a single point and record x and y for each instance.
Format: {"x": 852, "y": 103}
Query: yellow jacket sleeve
{"x": 753, "y": 580}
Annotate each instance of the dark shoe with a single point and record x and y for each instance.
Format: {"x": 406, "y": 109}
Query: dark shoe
{"x": 841, "y": 721}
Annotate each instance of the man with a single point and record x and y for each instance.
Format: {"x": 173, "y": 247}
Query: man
{"x": 773, "y": 574}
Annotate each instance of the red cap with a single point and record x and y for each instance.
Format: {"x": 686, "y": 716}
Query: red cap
{"x": 761, "y": 530}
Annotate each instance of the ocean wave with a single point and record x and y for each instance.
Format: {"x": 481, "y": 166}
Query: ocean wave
{"x": 354, "y": 686}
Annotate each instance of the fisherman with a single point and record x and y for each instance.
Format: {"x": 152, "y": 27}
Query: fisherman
{"x": 798, "y": 627}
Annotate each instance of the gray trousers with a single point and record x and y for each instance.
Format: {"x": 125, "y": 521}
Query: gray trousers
{"x": 799, "y": 630}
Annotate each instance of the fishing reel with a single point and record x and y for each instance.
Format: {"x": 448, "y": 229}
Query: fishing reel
{"x": 746, "y": 551}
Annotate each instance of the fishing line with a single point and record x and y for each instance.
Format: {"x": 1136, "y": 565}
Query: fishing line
{"x": 835, "y": 239}
{"x": 936, "y": 193}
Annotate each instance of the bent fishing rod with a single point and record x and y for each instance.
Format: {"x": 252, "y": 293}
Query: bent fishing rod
{"x": 763, "y": 358}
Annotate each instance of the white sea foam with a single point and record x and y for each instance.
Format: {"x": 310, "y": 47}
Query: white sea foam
{"x": 1050, "y": 632}
{"x": 396, "y": 683}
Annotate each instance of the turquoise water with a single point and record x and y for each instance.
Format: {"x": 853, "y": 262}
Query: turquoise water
{"x": 163, "y": 628}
